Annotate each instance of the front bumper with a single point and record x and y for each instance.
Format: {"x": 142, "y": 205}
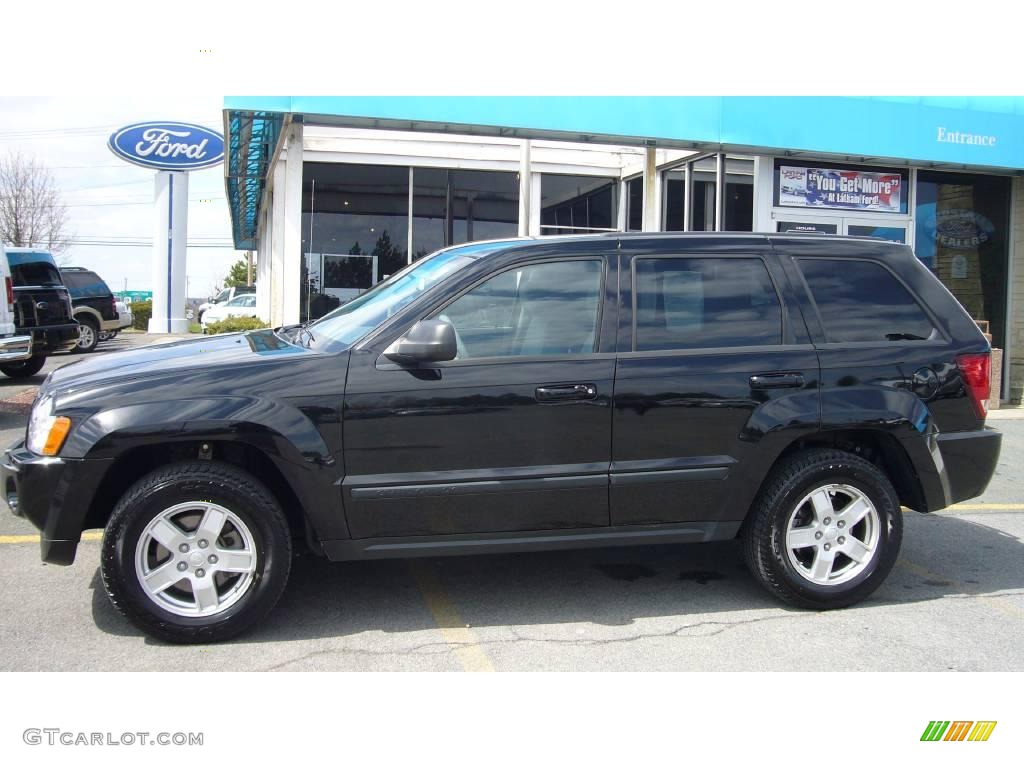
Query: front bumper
{"x": 52, "y": 493}
{"x": 15, "y": 348}
{"x": 54, "y": 338}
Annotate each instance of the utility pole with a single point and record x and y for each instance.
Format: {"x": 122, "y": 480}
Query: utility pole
{"x": 248, "y": 267}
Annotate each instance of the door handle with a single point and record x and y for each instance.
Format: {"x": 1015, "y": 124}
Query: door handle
{"x": 776, "y": 380}
{"x": 566, "y": 392}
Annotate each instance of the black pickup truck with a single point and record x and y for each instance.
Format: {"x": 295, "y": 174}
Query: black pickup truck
{"x": 42, "y": 309}
{"x": 539, "y": 393}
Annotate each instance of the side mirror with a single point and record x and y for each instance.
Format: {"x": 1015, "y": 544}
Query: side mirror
{"x": 429, "y": 341}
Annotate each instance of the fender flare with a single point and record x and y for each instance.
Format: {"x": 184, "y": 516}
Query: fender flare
{"x": 286, "y": 436}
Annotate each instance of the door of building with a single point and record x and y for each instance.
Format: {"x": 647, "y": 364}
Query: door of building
{"x": 843, "y": 225}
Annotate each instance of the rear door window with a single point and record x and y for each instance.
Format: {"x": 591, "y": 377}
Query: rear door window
{"x": 692, "y": 303}
{"x": 861, "y": 301}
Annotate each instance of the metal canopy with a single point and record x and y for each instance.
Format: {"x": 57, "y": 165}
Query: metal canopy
{"x": 252, "y": 144}
{"x": 983, "y": 134}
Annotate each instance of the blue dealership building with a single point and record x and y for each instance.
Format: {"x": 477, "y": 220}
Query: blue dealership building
{"x": 335, "y": 193}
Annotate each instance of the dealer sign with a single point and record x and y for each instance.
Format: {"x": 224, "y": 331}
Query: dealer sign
{"x": 168, "y": 146}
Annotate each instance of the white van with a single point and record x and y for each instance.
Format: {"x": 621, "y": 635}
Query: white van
{"x": 13, "y": 348}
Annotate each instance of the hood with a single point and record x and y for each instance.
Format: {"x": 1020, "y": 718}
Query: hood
{"x": 227, "y": 350}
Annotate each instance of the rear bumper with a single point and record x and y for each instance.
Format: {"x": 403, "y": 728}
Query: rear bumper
{"x": 54, "y": 338}
{"x": 15, "y": 348}
{"x": 969, "y": 460}
{"x": 53, "y": 494}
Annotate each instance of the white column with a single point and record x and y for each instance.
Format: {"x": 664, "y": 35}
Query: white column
{"x": 291, "y": 291}
{"x": 652, "y": 205}
{"x": 720, "y": 192}
{"x": 525, "y": 188}
{"x": 764, "y": 182}
{"x": 263, "y": 267}
{"x": 169, "y": 238}
{"x": 535, "y": 205}
{"x": 277, "y": 246}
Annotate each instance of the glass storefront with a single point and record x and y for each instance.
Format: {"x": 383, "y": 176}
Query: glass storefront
{"x": 962, "y": 234}
{"x": 578, "y": 204}
{"x": 451, "y": 207}
{"x": 356, "y": 222}
{"x": 737, "y": 203}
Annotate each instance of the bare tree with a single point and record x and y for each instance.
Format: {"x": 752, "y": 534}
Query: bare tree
{"x": 32, "y": 212}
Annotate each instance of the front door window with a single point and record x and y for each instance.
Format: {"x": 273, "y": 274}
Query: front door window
{"x": 549, "y": 308}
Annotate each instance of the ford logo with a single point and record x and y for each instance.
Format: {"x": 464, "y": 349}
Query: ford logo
{"x": 168, "y": 146}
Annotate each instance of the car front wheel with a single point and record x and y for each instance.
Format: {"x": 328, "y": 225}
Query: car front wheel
{"x": 196, "y": 552}
{"x": 24, "y": 368}
{"x": 825, "y": 530}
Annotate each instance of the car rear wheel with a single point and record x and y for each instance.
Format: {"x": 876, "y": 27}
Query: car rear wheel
{"x": 88, "y": 335}
{"x": 24, "y": 368}
{"x": 196, "y": 552}
{"x": 825, "y": 531}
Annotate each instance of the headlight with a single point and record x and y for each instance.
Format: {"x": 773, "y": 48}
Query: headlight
{"x": 46, "y": 432}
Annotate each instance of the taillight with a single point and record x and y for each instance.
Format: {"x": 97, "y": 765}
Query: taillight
{"x": 10, "y": 290}
{"x": 976, "y": 371}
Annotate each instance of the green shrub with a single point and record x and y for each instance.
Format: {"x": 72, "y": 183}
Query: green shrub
{"x": 141, "y": 312}
{"x": 235, "y": 324}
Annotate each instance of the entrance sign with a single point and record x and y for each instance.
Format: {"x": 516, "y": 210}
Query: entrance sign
{"x": 168, "y": 146}
{"x": 844, "y": 189}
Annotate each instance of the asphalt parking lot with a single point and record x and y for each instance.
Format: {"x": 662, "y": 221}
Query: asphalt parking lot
{"x": 955, "y": 601}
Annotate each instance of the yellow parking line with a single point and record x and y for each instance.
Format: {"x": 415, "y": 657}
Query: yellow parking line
{"x": 34, "y": 538}
{"x": 987, "y": 506}
{"x": 463, "y": 640}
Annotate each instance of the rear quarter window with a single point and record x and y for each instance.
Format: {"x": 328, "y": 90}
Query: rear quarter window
{"x": 85, "y": 285}
{"x": 862, "y": 301}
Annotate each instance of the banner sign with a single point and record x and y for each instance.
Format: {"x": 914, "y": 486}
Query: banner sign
{"x": 834, "y": 188}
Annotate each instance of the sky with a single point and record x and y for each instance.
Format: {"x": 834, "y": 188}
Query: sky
{"x": 111, "y": 200}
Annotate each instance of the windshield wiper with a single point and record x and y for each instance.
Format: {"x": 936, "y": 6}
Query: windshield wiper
{"x": 296, "y": 331}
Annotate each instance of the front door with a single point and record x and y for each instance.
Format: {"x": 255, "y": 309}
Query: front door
{"x": 721, "y": 376}
{"x": 514, "y": 434}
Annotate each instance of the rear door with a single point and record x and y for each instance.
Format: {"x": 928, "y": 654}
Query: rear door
{"x": 717, "y": 377}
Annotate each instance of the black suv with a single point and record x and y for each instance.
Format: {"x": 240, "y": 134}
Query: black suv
{"x": 95, "y": 307}
{"x": 792, "y": 391}
{"x": 42, "y": 309}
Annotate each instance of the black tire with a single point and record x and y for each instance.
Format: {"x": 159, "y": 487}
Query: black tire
{"x": 764, "y": 533}
{"x": 90, "y": 335}
{"x": 208, "y": 481}
{"x": 24, "y": 368}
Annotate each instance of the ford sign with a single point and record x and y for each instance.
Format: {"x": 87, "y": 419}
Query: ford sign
{"x": 168, "y": 146}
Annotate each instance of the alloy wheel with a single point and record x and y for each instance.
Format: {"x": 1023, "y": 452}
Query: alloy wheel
{"x": 832, "y": 534}
{"x": 85, "y": 336}
{"x": 196, "y": 559}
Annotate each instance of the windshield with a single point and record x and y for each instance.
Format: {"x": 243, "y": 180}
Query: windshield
{"x": 222, "y": 296}
{"x": 350, "y": 322}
